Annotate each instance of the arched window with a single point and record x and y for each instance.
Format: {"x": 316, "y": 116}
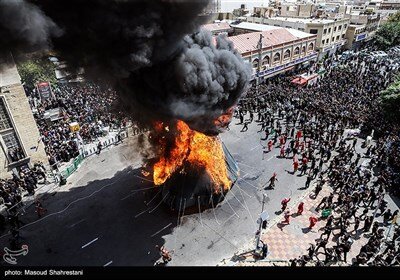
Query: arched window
{"x": 277, "y": 57}
{"x": 265, "y": 62}
{"x": 303, "y": 49}
{"x": 310, "y": 47}
{"x": 286, "y": 54}
{"x": 255, "y": 63}
{"x": 297, "y": 51}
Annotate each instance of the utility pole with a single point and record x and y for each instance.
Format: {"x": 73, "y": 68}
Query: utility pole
{"x": 259, "y": 46}
{"x": 261, "y": 222}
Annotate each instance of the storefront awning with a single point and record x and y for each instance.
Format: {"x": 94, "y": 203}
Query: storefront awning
{"x": 299, "y": 81}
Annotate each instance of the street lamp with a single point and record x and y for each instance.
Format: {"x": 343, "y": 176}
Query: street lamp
{"x": 259, "y": 46}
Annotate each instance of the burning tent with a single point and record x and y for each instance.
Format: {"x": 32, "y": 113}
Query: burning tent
{"x": 192, "y": 168}
{"x": 193, "y": 188}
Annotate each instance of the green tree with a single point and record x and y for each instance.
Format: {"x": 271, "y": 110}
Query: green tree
{"x": 34, "y": 70}
{"x": 390, "y": 101}
{"x": 394, "y": 17}
{"x": 387, "y": 36}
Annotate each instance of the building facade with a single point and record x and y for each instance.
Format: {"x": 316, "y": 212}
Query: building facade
{"x": 276, "y": 50}
{"x": 19, "y": 136}
{"x": 330, "y": 33}
{"x": 362, "y": 28}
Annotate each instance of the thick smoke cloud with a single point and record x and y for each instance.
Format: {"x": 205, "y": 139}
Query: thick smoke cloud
{"x": 24, "y": 27}
{"x": 151, "y": 51}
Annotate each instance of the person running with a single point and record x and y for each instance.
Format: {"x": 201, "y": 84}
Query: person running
{"x": 272, "y": 181}
{"x": 40, "y": 210}
{"x": 300, "y": 208}
{"x": 313, "y": 221}
{"x": 284, "y": 203}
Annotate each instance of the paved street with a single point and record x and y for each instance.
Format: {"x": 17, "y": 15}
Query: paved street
{"x": 109, "y": 214}
{"x": 104, "y": 203}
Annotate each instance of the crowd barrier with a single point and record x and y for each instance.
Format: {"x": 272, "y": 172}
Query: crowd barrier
{"x": 87, "y": 152}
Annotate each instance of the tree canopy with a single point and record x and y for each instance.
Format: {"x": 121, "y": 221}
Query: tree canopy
{"x": 390, "y": 101}
{"x": 34, "y": 70}
{"x": 388, "y": 34}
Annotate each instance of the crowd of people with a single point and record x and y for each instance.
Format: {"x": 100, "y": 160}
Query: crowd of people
{"x": 85, "y": 103}
{"x": 316, "y": 127}
{"x": 11, "y": 191}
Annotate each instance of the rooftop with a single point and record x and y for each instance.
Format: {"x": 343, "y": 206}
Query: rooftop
{"x": 264, "y": 27}
{"x": 249, "y": 41}
{"x": 304, "y": 20}
{"x": 217, "y": 26}
{"x": 9, "y": 74}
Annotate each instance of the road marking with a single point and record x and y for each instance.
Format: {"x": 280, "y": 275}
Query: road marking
{"x": 129, "y": 195}
{"x": 142, "y": 212}
{"x": 80, "y": 221}
{"x": 251, "y": 185}
{"x": 271, "y": 158}
{"x": 161, "y": 229}
{"x": 247, "y": 165}
{"x": 87, "y": 244}
{"x": 254, "y": 148}
{"x": 107, "y": 264}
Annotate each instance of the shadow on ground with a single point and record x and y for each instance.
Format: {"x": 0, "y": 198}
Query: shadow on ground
{"x": 124, "y": 213}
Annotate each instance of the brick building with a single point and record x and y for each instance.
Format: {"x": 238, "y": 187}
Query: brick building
{"x": 280, "y": 50}
{"x": 19, "y": 136}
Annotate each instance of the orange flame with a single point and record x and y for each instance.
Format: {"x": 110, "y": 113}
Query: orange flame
{"x": 197, "y": 149}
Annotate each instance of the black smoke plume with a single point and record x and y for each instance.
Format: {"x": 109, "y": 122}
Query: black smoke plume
{"x": 151, "y": 51}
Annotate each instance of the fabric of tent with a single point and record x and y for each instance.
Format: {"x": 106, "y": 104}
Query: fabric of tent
{"x": 193, "y": 190}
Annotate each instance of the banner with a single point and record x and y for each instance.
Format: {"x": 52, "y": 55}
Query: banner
{"x": 44, "y": 90}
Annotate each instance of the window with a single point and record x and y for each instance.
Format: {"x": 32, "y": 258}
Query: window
{"x": 329, "y": 30}
{"x": 345, "y": 26}
{"x": 277, "y": 57}
{"x": 286, "y": 54}
{"x": 327, "y": 41}
{"x": 333, "y": 39}
{"x": 313, "y": 31}
{"x": 324, "y": 31}
{"x": 343, "y": 36}
{"x": 340, "y": 27}
{"x": 297, "y": 51}
{"x": 11, "y": 140}
{"x": 255, "y": 63}
{"x": 303, "y": 49}
{"x": 334, "y": 29}
{"x": 265, "y": 62}
{"x": 323, "y": 42}
{"x": 5, "y": 121}
{"x": 13, "y": 148}
{"x": 310, "y": 47}
{"x": 337, "y": 38}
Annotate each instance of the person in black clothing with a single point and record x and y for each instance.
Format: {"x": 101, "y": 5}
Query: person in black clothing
{"x": 317, "y": 190}
{"x": 308, "y": 181}
{"x": 375, "y": 228}
{"x": 356, "y": 224}
{"x": 311, "y": 251}
{"x": 321, "y": 244}
{"x": 368, "y": 223}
